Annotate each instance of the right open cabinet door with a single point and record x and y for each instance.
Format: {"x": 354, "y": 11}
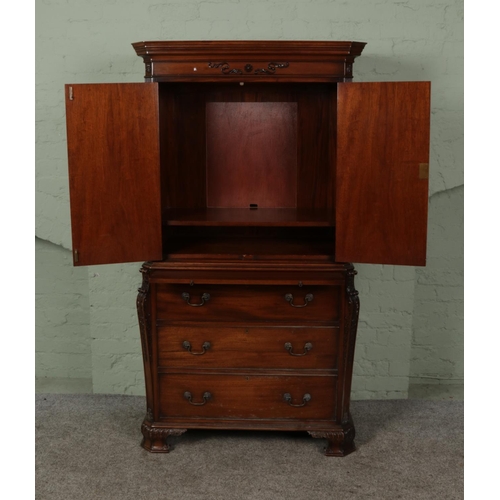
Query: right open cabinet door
{"x": 382, "y": 172}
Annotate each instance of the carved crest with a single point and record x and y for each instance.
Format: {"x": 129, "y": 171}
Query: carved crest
{"x": 227, "y": 70}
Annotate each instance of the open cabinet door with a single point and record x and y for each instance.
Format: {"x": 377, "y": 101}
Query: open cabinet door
{"x": 114, "y": 172}
{"x": 382, "y": 172}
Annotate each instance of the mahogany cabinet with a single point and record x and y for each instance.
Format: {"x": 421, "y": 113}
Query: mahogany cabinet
{"x": 248, "y": 175}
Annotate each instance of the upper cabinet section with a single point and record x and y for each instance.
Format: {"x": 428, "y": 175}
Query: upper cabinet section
{"x": 248, "y": 61}
{"x": 270, "y": 139}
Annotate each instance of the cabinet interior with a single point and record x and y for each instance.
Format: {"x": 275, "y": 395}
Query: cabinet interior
{"x": 249, "y": 242}
{"x": 247, "y": 169}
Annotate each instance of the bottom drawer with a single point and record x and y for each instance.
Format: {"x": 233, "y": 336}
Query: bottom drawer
{"x": 247, "y": 396}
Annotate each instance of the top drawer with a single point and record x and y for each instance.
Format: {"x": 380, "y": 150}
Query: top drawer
{"x": 250, "y": 70}
{"x": 224, "y": 303}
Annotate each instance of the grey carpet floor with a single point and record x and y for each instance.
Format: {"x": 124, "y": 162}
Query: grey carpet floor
{"x": 87, "y": 447}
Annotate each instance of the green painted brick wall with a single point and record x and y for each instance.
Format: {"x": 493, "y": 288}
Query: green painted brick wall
{"x": 411, "y": 327}
{"x": 62, "y": 315}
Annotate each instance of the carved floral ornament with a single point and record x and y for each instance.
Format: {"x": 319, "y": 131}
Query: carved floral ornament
{"x": 248, "y": 68}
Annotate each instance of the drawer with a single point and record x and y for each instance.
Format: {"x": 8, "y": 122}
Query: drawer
{"x": 248, "y": 347}
{"x": 248, "y": 70}
{"x": 247, "y": 303}
{"x": 247, "y": 396}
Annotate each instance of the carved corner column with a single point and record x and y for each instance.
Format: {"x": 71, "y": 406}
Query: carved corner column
{"x": 145, "y": 328}
{"x": 351, "y": 315}
{"x": 340, "y": 438}
{"x": 154, "y": 438}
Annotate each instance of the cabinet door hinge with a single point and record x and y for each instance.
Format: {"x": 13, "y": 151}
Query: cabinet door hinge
{"x": 70, "y": 91}
{"x": 75, "y": 254}
{"x": 423, "y": 170}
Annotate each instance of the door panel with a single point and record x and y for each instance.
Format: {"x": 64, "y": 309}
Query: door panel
{"x": 382, "y": 172}
{"x": 114, "y": 172}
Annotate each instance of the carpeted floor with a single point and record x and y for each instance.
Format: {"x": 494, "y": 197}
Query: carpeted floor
{"x": 88, "y": 448}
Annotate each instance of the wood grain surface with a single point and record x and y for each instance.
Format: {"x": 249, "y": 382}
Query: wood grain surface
{"x": 252, "y": 154}
{"x": 247, "y": 396}
{"x": 249, "y": 303}
{"x": 248, "y": 347}
{"x": 382, "y": 140}
{"x": 279, "y": 217}
{"x": 114, "y": 172}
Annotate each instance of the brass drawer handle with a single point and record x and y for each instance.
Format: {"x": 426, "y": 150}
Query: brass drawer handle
{"x": 206, "y": 397}
{"x": 187, "y": 345}
{"x": 307, "y": 347}
{"x": 287, "y": 397}
{"x": 308, "y": 298}
{"x": 204, "y": 298}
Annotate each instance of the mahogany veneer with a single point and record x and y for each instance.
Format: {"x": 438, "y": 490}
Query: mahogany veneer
{"x": 388, "y": 200}
{"x": 245, "y": 356}
{"x": 254, "y": 141}
{"x": 247, "y": 396}
{"x": 294, "y": 61}
{"x": 279, "y": 217}
{"x": 248, "y": 175}
{"x": 248, "y": 303}
{"x": 248, "y": 347}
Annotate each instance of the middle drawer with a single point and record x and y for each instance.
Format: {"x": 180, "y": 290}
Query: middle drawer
{"x": 248, "y": 347}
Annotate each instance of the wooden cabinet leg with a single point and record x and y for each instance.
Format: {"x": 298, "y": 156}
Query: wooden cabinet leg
{"x": 340, "y": 442}
{"x": 155, "y": 438}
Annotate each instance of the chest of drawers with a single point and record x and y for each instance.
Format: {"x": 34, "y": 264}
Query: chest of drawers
{"x": 241, "y": 353}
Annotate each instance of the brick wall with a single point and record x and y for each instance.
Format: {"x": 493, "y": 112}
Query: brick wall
{"x": 410, "y": 324}
{"x": 62, "y": 315}
{"x": 437, "y": 355}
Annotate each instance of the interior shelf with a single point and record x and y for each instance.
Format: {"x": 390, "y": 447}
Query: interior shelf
{"x": 283, "y": 217}
{"x": 249, "y": 248}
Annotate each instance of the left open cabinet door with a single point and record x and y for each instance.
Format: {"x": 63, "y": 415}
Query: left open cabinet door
{"x": 114, "y": 172}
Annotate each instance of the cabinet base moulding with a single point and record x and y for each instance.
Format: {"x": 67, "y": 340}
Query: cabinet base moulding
{"x": 340, "y": 439}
